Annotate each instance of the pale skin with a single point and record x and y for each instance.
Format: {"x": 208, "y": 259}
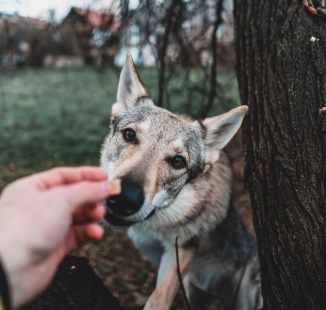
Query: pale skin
{"x": 43, "y": 217}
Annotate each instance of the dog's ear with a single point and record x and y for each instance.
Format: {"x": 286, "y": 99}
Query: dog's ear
{"x": 220, "y": 130}
{"x": 130, "y": 88}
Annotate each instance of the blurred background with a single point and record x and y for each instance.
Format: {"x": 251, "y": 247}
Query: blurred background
{"x": 60, "y": 62}
{"x": 59, "y": 67}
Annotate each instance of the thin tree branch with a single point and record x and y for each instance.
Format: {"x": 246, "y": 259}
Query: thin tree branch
{"x": 213, "y": 79}
{"x": 180, "y": 276}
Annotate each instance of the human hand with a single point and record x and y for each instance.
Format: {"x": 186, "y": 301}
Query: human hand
{"x": 44, "y": 216}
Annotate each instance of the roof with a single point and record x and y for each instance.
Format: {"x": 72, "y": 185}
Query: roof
{"x": 97, "y": 19}
{"x": 24, "y": 20}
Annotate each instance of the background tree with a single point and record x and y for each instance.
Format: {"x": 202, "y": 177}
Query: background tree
{"x": 190, "y": 40}
{"x": 281, "y": 68}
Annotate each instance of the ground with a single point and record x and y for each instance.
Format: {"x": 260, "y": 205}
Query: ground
{"x": 126, "y": 274}
{"x": 75, "y": 287}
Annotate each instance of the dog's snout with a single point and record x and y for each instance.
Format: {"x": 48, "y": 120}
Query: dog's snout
{"x": 129, "y": 201}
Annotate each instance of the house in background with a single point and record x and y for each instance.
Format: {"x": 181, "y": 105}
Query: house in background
{"x": 84, "y": 36}
{"x": 23, "y": 40}
{"x": 93, "y": 35}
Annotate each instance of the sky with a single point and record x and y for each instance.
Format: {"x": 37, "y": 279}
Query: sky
{"x": 40, "y": 8}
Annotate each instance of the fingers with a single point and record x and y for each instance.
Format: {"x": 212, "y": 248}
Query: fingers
{"x": 88, "y": 232}
{"x": 81, "y": 194}
{"x": 67, "y": 175}
{"x": 93, "y": 213}
{"x": 82, "y": 234}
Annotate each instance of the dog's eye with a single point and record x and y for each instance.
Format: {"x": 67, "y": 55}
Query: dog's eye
{"x": 129, "y": 135}
{"x": 178, "y": 162}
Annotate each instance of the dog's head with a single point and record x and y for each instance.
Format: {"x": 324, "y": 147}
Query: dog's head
{"x": 155, "y": 152}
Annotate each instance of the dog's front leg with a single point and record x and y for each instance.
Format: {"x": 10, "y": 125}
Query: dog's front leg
{"x": 168, "y": 281}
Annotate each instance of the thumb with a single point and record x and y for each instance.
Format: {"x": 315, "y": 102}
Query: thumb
{"x": 82, "y": 193}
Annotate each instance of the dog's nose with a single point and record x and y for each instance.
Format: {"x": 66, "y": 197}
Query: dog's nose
{"x": 129, "y": 201}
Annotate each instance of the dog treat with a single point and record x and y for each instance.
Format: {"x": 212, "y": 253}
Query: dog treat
{"x": 115, "y": 187}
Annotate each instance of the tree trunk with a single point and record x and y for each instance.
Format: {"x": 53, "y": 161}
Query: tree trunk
{"x": 281, "y": 72}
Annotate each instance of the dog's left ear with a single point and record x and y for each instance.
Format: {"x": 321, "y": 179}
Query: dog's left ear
{"x": 130, "y": 88}
{"x": 220, "y": 130}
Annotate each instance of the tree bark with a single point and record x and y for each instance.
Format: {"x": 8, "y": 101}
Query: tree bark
{"x": 281, "y": 72}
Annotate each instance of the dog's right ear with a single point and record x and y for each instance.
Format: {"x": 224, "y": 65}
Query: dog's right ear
{"x": 130, "y": 88}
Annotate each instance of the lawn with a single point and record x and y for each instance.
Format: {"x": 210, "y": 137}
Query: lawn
{"x": 59, "y": 116}
{"x": 52, "y": 117}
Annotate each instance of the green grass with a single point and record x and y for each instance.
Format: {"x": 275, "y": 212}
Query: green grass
{"x": 59, "y": 116}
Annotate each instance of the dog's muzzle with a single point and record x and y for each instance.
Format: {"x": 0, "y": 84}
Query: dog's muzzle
{"x": 129, "y": 201}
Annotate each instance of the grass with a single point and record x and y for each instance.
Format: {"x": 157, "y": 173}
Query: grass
{"x": 59, "y": 116}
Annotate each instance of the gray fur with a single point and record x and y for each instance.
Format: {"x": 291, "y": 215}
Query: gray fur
{"x": 192, "y": 203}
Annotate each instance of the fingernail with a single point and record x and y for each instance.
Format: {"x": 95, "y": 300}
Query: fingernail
{"x": 105, "y": 187}
{"x": 99, "y": 232}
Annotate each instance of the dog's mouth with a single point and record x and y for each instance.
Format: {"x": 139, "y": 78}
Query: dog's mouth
{"x": 113, "y": 219}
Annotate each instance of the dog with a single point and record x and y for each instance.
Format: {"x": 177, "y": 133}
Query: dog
{"x": 177, "y": 169}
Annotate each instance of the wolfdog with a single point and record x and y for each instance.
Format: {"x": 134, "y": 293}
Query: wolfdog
{"x": 181, "y": 181}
